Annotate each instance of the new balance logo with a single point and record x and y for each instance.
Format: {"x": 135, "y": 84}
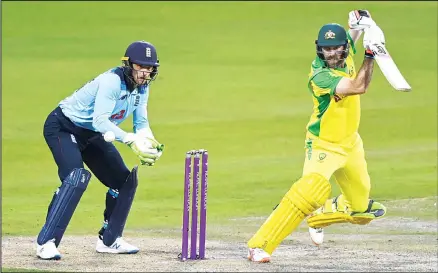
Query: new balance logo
{"x": 116, "y": 246}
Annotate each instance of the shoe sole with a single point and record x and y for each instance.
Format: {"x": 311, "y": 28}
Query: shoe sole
{"x": 54, "y": 258}
{"x": 314, "y": 242}
{"x": 115, "y": 252}
{"x": 264, "y": 260}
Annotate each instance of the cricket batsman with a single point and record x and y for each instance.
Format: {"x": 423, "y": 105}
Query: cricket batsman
{"x": 333, "y": 147}
{"x": 74, "y": 132}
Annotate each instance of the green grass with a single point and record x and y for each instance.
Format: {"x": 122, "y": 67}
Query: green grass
{"x": 22, "y": 270}
{"x": 232, "y": 80}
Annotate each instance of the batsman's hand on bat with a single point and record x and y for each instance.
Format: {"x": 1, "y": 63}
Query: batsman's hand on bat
{"x": 373, "y": 41}
{"x": 360, "y": 20}
{"x": 148, "y": 150}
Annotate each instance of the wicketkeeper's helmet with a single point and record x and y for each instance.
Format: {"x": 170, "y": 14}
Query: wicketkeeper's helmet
{"x": 144, "y": 54}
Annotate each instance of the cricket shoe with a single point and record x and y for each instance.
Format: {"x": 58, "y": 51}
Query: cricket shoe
{"x": 48, "y": 251}
{"x": 375, "y": 210}
{"x": 316, "y": 235}
{"x": 258, "y": 255}
{"x": 118, "y": 247}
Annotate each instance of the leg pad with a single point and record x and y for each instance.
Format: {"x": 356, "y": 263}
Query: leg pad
{"x": 305, "y": 196}
{"x": 334, "y": 211}
{"x": 117, "y": 221}
{"x": 63, "y": 206}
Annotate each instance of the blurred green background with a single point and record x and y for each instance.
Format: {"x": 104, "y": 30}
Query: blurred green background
{"x": 233, "y": 80}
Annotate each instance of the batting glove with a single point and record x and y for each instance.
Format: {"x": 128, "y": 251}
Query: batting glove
{"x": 360, "y": 20}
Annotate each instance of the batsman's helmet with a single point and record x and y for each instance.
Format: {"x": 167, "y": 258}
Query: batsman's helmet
{"x": 332, "y": 35}
{"x": 144, "y": 54}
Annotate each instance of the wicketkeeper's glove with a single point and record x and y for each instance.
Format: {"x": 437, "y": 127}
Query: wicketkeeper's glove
{"x": 148, "y": 150}
{"x": 160, "y": 148}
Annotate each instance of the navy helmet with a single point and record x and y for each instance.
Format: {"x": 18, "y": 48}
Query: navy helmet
{"x": 142, "y": 53}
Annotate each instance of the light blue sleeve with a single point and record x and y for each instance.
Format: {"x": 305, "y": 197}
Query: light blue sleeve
{"x": 106, "y": 98}
{"x": 140, "y": 116}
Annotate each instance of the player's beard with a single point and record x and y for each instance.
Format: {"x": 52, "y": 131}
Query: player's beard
{"x": 335, "y": 62}
{"x": 141, "y": 79}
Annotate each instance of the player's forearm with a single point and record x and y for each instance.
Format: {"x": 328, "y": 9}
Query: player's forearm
{"x": 102, "y": 124}
{"x": 141, "y": 123}
{"x": 355, "y": 34}
{"x": 363, "y": 78}
{"x": 140, "y": 118}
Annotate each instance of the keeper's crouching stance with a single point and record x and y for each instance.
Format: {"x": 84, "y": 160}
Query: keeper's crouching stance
{"x": 333, "y": 146}
{"x": 74, "y": 132}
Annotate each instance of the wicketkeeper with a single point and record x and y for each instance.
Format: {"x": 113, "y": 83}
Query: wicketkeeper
{"x": 74, "y": 133}
{"x": 333, "y": 147}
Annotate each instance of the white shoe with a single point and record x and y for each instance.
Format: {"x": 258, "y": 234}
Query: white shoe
{"x": 118, "y": 247}
{"x": 48, "y": 251}
{"x": 317, "y": 235}
{"x": 258, "y": 255}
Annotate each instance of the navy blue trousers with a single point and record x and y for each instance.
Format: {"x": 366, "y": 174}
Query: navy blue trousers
{"x": 72, "y": 146}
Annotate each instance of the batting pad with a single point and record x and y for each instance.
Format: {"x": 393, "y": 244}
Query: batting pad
{"x": 336, "y": 212}
{"x": 64, "y": 205}
{"x": 304, "y": 197}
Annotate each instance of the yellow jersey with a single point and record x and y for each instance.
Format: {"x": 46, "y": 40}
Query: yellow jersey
{"x": 334, "y": 119}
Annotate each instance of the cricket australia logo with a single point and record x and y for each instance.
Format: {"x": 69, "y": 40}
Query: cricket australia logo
{"x": 148, "y": 52}
{"x": 329, "y": 35}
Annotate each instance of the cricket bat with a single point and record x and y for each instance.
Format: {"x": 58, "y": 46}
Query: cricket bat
{"x": 389, "y": 68}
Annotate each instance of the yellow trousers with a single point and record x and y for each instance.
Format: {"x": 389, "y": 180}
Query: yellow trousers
{"x": 345, "y": 162}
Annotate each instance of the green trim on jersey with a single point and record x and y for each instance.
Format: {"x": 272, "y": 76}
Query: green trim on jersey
{"x": 352, "y": 45}
{"x": 326, "y": 82}
{"x": 323, "y": 105}
{"x": 317, "y": 64}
